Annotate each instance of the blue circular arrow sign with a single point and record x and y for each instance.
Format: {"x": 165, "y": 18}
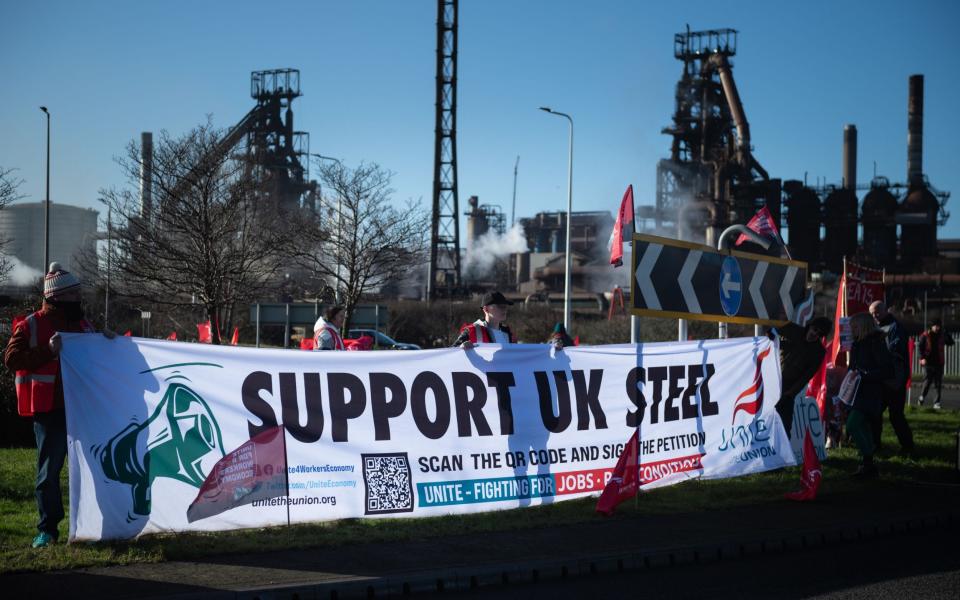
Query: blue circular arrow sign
{"x": 731, "y": 286}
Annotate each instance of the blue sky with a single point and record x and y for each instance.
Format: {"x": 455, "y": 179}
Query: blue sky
{"x": 109, "y": 70}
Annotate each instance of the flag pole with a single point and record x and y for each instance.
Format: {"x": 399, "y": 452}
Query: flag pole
{"x": 286, "y": 470}
{"x": 634, "y": 319}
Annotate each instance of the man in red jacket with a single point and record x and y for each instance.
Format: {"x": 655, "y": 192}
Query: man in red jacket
{"x": 33, "y": 353}
{"x": 932, "y": 355}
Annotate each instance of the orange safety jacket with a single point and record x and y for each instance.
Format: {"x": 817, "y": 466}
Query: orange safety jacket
{"x": 36, "y": 390}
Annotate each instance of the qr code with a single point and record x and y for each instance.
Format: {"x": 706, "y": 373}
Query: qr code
{"x": 388, "y": 483}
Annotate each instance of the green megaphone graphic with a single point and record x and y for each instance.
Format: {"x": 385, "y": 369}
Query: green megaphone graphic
{"x": 172, "y": 443}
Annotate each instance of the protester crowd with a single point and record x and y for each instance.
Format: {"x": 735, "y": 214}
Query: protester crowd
{"x": 874, "y": 376}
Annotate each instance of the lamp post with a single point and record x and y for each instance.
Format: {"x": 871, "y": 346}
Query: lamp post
{"x": 339, "y": 224}
{"x": 106, "y": 295}
{"x": 569, "y": 261}
{"x": 46, "y": 204}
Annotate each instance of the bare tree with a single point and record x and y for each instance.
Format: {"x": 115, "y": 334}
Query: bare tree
{"x": 367, "y": 241}
{"x": 9, "y": 192}
{"x": 205, "y": 239}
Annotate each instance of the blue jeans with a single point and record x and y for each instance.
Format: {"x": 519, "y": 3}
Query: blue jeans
{"x": 50, "y": 429}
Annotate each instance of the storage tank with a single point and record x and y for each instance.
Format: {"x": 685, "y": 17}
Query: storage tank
{"x": 803, "y": 222}
{"x": 840, "y": 220}
{"x": 879, "y": 225}
{"x": 917, "y": 216}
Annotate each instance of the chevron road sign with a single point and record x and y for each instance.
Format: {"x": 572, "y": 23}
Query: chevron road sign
{"x": 685, "y": 280}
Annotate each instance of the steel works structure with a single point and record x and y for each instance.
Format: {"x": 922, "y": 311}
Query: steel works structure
{"x": 444, "y": 276}
{"x": 711, "y": 179}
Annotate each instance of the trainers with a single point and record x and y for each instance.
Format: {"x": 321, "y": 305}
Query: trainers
{"x": 920, "y": 403}
{"x": 43, "y": 540}
{"x": 936, "y": 406}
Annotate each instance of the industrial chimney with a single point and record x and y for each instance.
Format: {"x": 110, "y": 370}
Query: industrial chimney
{"x": 850, "y": 157}
{"x": 915, "y": 131}
{"x": 146, "y": 174}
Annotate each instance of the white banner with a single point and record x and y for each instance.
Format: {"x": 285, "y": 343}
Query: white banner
{"x": 400, "y": 434}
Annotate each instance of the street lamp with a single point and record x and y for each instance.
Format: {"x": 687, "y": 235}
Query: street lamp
{"x": 106, "y": 295}
{"x": 46, "y": 205}
{"x": 569, "y": 265}
{"x": 339, "y": 222}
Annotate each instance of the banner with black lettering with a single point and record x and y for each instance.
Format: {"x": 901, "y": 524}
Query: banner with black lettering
{"x": 400, "y": 434}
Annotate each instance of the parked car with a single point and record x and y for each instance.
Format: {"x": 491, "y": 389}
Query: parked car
{"x": 381, "y": 339}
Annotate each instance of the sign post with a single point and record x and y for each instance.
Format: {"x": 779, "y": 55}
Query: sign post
{"x": 685, "y": 280}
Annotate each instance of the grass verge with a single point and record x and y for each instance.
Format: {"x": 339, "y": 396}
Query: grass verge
{"x": 934, "y": 433}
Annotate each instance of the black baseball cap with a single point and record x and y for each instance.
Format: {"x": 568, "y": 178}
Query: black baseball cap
{"x": 494, "y": 298}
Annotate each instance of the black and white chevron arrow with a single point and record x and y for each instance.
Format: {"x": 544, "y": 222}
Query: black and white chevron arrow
{"x": 682, "y": 279}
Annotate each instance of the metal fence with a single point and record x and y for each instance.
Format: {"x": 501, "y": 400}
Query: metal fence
{"x": 951, "y": 357}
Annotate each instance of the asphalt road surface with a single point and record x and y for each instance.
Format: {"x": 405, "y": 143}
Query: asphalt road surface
{"x": 921, "y": 565}
{"x": 950, "y": 399}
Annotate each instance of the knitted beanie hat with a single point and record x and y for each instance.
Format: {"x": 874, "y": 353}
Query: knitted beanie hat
{"x": 57, "y": 281}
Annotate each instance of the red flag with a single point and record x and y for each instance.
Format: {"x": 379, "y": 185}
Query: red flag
{"x": 203, "y": 333}
{"x": 307, "y": 343}
{"x": 624, "y": 218}
{"x": 172, "y": 336}
{"x": 834, "y": 351}
{"x": 236, "y": 336}
{"x": 255, "y": 471}
{"x": 128, "y": 333}
{"x": 762, "y": 223}
{"x": 625, "y": 481}
{"x": 817, "y": 387}
{"x": 911, "y": 348}
{"x": 811, "y": 476}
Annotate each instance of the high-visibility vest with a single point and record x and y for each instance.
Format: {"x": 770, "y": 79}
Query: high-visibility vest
{"x": 483, "y": 335}
{"x": 36, "y": 390}
{"x": 337, "y": 340}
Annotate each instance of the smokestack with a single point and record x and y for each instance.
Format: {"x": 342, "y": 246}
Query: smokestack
{"x": 850, "y": 157}
{"x": 915, "y": 131}
{"x": 146, "y": 175}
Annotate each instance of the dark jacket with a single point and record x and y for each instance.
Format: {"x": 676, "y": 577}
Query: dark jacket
{"x": 799, "y": 359}
{"x": 932, "y": 347}
{"x": 897, "y": 345}
{"x": 871, "y": 358}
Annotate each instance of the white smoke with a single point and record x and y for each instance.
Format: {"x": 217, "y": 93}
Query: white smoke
{"x": 21, "y": 274}
{"x": 484, "y": 252}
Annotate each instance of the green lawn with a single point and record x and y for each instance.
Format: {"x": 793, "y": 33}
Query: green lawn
{"x": 935, "y": 434}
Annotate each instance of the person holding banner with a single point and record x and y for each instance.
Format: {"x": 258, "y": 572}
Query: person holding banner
{"x": 326, "y": 331}
{"x": 894, "y": 397}
{"x": 870, "y": 358}
{"x": 33, "y": 353}
{"x": 490, "y": 329}
{"x": 801, "y": 352}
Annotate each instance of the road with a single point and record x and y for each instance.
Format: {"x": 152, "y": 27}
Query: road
{"x": 950, "y": 398}
{"x": 921, "y": 565}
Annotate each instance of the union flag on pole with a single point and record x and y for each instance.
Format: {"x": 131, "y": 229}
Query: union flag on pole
{"x": 256, "y": 470}
{"x": 762, "y": 223}
{"x": 625, "y": 482}
{"x": 624, "y": 218}
{"x": 811, "y": 476}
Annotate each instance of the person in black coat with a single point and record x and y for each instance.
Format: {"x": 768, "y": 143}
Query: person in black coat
{"x": 871, "y": 358}
{"x": 801, "y": 353}
{"x": 894, "y": 397}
